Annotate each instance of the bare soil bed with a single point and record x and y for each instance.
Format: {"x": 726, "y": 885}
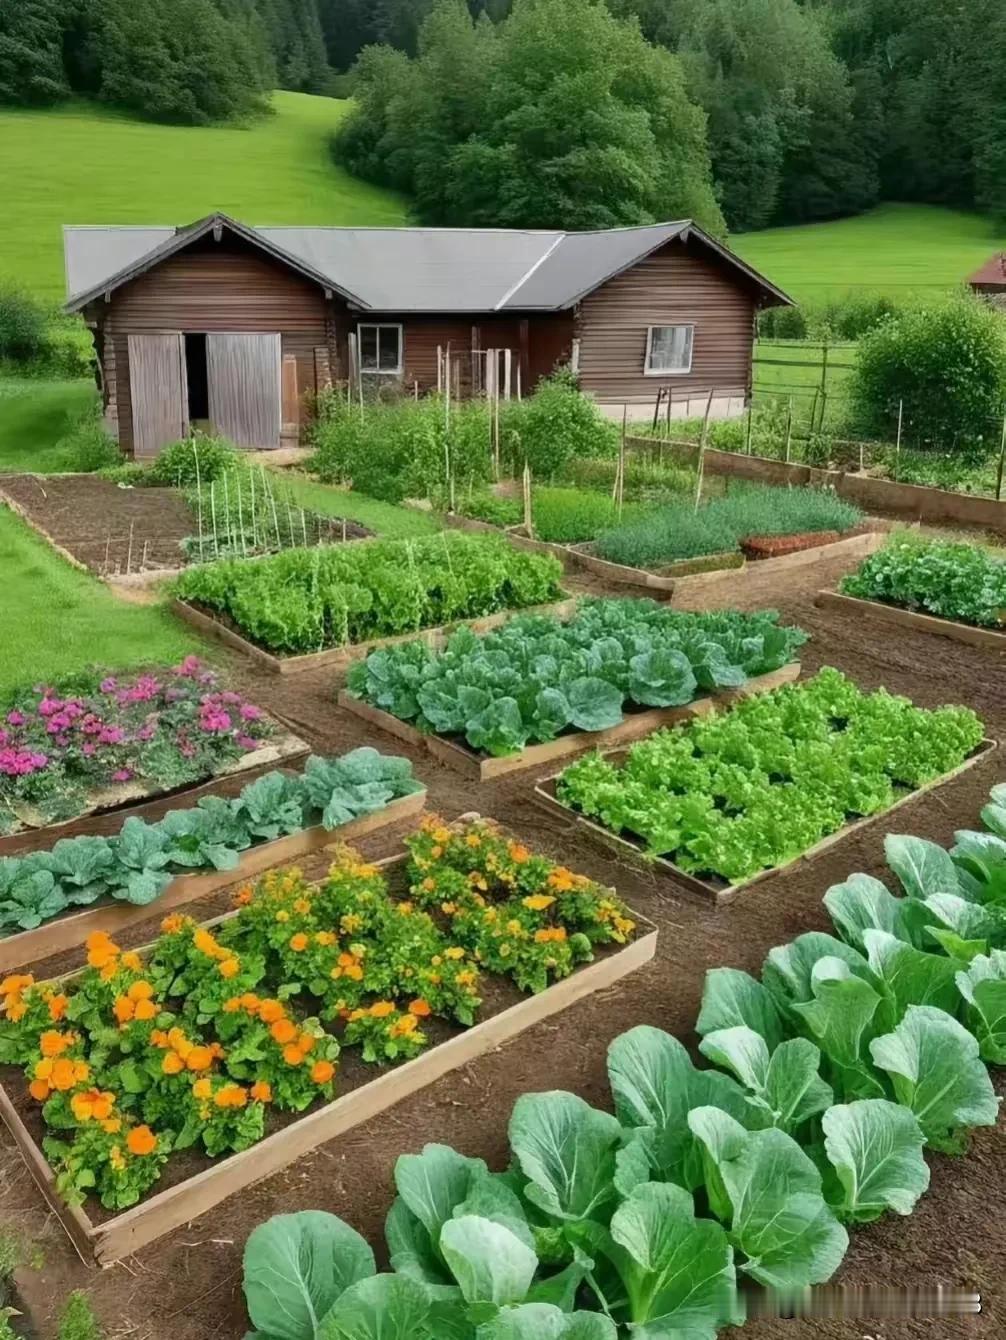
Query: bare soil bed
{"x": 188, "y": 1285}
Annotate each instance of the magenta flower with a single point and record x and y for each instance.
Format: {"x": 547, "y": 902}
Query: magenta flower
{"x": 190, "y": 667}
{"x": 109, "y": 685}
{"x": 122, "y": 775}
{"x": 15, "y": 718}
{"x": 246, "y": 742}
{"x": 249, "y": 712}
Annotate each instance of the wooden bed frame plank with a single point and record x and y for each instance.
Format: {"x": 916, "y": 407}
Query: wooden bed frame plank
{"x": 339, "y": 658}
{"x": 545, "y": 796}
{"x": 70, "y": 932}
{"x": 924, "y": 623}
{"x": 634, "y": 727}
{"x": 125, "y": 1233}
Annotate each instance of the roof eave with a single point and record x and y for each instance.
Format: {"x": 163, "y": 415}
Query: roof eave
{"x": 183, "y": 238}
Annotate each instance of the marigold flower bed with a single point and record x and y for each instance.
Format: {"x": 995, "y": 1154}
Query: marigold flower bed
{"x": 145, "y": 1065}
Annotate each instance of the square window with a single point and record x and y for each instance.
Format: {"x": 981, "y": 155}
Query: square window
{"x": 668, "y": 350}
{"x": 380, "y": 348}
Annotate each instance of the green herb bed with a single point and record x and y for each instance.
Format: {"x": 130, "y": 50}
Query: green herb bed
{"x": 825, "y": 1082}
{"x": 960, "y": 582}
{"x": 308, "y": 600}
{"x": 559, "y": 515}
{"x": 733, "y": 794}
{"x": 678, "y": 531}
{"x": 142, "y": 861}
{"x": 536, "y": 678}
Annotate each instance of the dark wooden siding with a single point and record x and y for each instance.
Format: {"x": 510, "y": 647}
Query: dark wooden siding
{"x": 551, "y": 344}
{"x": 675, "y": 286}
{"x": 226, "y": 287}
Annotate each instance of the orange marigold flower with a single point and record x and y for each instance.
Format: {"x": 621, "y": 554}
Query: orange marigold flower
{"x": 52, "y": 1043}
{"x": 325, "y": 938}
{"x": 141, "y": 1141}
{"x": 229, "y": 968}
{"x": 322, "y": 1072}
{"x": 249, "y": 1001}
{"x": 92, "y": 1105}
{"x": 39, "y": 1090}
{"x": 232, "y": 1006}
{"x": 173, "y": 924}
{"x": 299, "y": 942}
{"x": 261, "y": 1091}
{"x": 420, "y": 1008}
{"x": 202, "y": 1089}
{"x": 172, "y": 1064}
{"x": 64, "y": 1075}
{"x": 102, "y": 957}
{"x": 206, "y": 943}
{"x": 243, "y": 896}
{"x": 270, "y": 1011}
{"x": 159, "y": 1038}
{"x": 140, "y": 991}
{"x": 473, "y": 840}
{"x": 231, "y": 1095}
{"x": 283, "y": 1031}
{"x": 518, "y": 853}
{"x": 199, "y": 1058}
{"x": 112, "y": 1126}
{"x": 13, "y": 986}
{"x": 293, "y": 1055}
{"x": 124, "y": 1009}
{"x": 404, "y": 1026}
{"x": 132, "y": 961}
{"x": 381, "y": 1009}
{"x": 145, "y": 1009}
{"x": 561, "y": 879}
{"x": 57, "y": 1007}
{"x": 43, "y": 1070}
{"x": 306, "y": 1043}
{"x": 538, "y": 902}
{"x": 302, "y": 906}
{"x": 282, "y": 915}
{"x": 454, "y": 952}
{"x": 428, "y": 884}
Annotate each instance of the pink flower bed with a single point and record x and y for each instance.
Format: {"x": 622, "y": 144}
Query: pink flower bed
{"x": 166, "y": 728}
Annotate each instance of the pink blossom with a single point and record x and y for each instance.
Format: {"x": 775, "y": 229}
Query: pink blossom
{"x": 214, "y": 719}
{"x": 109, "y": 685}
{"x": 247, "y": 742}
{"x": 122, "y": 775}
{"x": 88, "y": 749}
{"x": 48, "y": 707}
{"x": 111, "y": 735}
{"x": 249, "y": 712}
{"x": 190, "y": 667}
{"x": 21, "y": 762}
{"x": 15, "y": 718}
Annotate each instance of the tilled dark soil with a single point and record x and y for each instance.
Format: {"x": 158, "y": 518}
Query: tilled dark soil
{"x": 187, "y": 1285}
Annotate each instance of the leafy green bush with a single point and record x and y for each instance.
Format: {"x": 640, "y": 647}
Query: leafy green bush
{"x": 645, "y": 480}
{"x": 569, "y": 516}
{"x": 88, "y": 446}
{"x": 946, "y": 363}
{"x": 554, "y": 426}
{"x": 745, "y": 790}
{"x": 307, "y": 599}
{"x": 677, "y": 531}
{"x": 77, "y": 1321}
{"x": 484, "y": 505}
{"x": 196, "y": 459}
{"x": 962, "y": 582}
{"x": 23, "y": 322}
{"x": 536, "y": 678}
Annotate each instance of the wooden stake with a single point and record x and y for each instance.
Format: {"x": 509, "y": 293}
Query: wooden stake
{"x": 213, "y": 516}
{"x": 129, "y": 551}
{"x": 528, "y": 512}
{"x": 789, "y": 430}
{"x": 656, "y": 407}
{"x": 670, "y": 407}
{"x": 897, "y": 444}
{"x": 702, "y": 451}
{"x": 747, "y": 430}
{"x": 1002, "y": 462}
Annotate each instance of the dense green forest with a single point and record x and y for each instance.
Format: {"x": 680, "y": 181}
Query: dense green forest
{"x": 743, "y": 113}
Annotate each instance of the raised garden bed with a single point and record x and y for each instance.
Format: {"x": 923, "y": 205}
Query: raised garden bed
{"x": 681, "y": 803}
{"x": 483, "y": 768}
{"x": 992, "y": 638}
{"x": 78, "y": 756}
{"x": 106, "y": 1237}
{"x": 71, "y": 929}
{"x": 663, "y": 579}
{"x": 339, "y": 657}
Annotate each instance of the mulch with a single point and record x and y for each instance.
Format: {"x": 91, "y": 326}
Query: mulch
{"x": 188, "y": 1285}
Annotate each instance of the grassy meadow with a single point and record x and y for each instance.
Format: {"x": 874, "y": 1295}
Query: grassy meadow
{"x": 894, "y": 249}
{"x": 81, "y": 163}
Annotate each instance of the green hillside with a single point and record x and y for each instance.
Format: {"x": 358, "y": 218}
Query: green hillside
{"x": 896, "y": 249}
{"x": 82, "y": 164}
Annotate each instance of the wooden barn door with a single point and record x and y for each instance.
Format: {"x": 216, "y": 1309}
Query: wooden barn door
{"x": 246, "y": 388}
{"x": 158, "y": 390}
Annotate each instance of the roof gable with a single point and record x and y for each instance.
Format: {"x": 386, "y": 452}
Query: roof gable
{"x": 992, "y": 272}
{"x": 400, "y": 270}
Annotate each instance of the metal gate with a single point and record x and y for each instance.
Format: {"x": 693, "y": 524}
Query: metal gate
{"x": 246, "y": 388}
{"x": 158, "y": 391}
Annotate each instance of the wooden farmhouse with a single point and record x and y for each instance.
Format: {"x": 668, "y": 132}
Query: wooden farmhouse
{"x": 237, "y": 328}
{"x": 990, "y": 281}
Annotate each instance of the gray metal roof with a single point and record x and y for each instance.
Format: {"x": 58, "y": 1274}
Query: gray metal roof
{"x": 447, "y": 270}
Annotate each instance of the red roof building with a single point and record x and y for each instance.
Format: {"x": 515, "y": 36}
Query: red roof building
{"x": 991, "y": 278}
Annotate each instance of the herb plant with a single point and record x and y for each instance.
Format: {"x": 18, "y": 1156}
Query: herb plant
{"x": 963, "y": 582}
{"x": 194, "y": 1042}
{"x": 751, "y": 788}
{"x": 536, "y": 677}
{"x": 304, "y": 600}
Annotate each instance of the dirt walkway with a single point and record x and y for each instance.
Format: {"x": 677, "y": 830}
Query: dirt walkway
{"x": 187, "y": 1286}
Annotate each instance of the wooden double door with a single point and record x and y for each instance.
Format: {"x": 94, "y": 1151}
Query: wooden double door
{"x": 243, "y": 374}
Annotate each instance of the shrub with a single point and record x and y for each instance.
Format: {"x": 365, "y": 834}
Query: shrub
{"x": 946, "y": 363}
{"x": 557, "y": 424}
{"x": 78, "y": 1321}
{"x": 678, "y": 531}
{"x": 22, "y": 327}
{"x": 196, "y": 459}
{"x": 88, "y": 446}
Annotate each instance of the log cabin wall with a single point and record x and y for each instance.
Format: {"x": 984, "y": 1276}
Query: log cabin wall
{"x": 681, "y": 284}
{"x": 216, "y": 287}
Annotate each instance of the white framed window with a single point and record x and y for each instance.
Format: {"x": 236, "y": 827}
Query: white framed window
{"x": 668, "y": 350}
{"x": 380, "y": 346}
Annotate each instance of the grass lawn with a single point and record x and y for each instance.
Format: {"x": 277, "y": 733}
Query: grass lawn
{"x": 57, "y": 620}
{"x": 786, "y": 370}
{"x": 386, "y": 519}
{"x": 34, "y": 415}
{"x": 895, "y": 249}
{"x": 82, "y": 163}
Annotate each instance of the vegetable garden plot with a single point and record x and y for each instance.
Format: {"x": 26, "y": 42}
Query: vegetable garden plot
{"x": 538, "y": 689}
{"x": 195, "y": 1039}
{"x": 306, "y": 608}
{"x": 726, "y": 801}
{"x": 993, "y": 639}
{"x": 75, "y": 753}
{"x": 51, "y": 901}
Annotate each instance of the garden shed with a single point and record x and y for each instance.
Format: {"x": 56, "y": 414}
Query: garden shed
{"x": 236, "y": 328}
{"x": 990, "y": 281}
